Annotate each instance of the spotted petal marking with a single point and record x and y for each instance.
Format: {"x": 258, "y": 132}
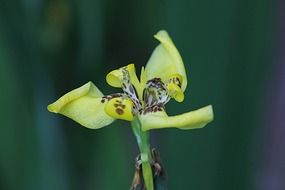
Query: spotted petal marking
{"x": 126, "y": 78}
{"x": 174, "y": 87}
{"x": 120, "y": 108}
{"x": 130, "y": 90}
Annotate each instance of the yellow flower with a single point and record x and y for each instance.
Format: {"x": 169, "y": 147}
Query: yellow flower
{"x": 163, "y": 78}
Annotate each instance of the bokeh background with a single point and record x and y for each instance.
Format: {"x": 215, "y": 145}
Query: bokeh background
{"x": 233, "y": 51}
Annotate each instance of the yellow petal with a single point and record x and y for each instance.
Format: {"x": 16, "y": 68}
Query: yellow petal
{"x": 126, "y": 74}
{"x": 84, "y": 106}
{"x": 117, "y": 77}
{"x": 165, "y": 61}
{"x": 120, "y": 108}
{"x": 190, "y": 120}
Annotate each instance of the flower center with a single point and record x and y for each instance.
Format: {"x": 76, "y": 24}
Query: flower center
{"x": 155, "y": 96}
{"x": 152, "y": 98}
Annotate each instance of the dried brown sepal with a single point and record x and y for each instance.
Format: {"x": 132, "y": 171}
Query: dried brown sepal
{"x": 159, "y": 174}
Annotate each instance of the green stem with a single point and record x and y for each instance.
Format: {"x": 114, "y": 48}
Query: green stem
{"x": 143, "y": 143}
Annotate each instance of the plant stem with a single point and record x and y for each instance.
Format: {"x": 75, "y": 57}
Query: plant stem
{"x": 146, "y": 158}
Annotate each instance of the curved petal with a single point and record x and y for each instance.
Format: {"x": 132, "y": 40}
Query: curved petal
{"x": 165, "y": 61}
{"x": 190, "y": 120}
{"x": 117, "y": 77}
{"x": 83, "y": 105}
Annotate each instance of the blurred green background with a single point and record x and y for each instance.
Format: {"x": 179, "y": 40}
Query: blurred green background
{"x": 49, "y": 47}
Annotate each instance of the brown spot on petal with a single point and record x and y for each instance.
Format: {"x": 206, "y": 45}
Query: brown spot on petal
{"x": 119, "y": 111}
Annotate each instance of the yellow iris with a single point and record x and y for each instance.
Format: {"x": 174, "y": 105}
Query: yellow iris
{"x": 142, "y": 101}
{"x": 164, "y": 77}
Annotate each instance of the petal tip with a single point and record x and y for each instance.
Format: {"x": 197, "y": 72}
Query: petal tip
{"x": 115, "y": 77}
{"x": 211, "y": 113}
{"x": 161, "y": 33}
{"x": 162, "y": 36}
{"x": 52, "y": 108}
{"x": 89, "y": 84}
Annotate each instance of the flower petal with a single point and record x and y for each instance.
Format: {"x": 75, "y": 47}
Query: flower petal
{"x": 126, "y": 78}
{"x": 120, "y": 108}
{"x": 165, "y": 61}
{"x": 83, "y": 105}
{"x": 117, "y": 77}
{"x": 190, "y": 120}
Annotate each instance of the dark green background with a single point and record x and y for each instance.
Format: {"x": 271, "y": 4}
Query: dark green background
{"x": 48, "y": 48}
